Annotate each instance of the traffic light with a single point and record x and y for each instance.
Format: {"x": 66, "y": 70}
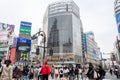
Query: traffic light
{"x": 51, "y": 52}
{"x": 37, "y": 51}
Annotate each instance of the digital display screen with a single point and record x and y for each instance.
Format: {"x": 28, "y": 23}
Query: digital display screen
{"x": 23, "y": 47}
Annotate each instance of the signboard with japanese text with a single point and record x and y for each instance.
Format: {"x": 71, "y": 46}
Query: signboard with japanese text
{"x": 23, "y": 45}
{"x": 25, "y": 27}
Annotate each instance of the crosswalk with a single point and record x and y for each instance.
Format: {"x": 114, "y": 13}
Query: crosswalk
{"x": 107, "y": 77}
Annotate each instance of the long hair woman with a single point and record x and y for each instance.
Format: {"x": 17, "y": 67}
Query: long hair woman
{"x": 7, "y": 71}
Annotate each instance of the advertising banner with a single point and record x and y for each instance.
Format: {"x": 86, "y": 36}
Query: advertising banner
{"x": 6, "y": 31}
{"x": 118, "y": 21}
{"x": 85, "y": 43}
{"x": 23, "y": 45}
{"x": 24, "y": 56}
{"x": 12, "y": 55}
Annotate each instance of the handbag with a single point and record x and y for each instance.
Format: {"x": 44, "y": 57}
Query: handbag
{"x": 95, "y": 74}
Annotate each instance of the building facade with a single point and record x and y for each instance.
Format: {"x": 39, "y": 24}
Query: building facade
{"x": 90, "y": 48}
{"x": 62, "y": 26}
{"x": 7, "y": 37}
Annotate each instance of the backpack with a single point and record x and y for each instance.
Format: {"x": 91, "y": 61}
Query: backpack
{"x": 15, "y": 74}
{"x": 61, "y": 71}
{"x": 104, "y": 73}
{"x": 76, "y": 71}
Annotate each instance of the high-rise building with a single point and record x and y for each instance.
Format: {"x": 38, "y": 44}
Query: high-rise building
{"x": 117, "y": 16}
{"x": 91, "y": 48}
{"x": 62, "y": 25}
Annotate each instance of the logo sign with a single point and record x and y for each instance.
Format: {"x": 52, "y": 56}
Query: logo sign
{"x": 23, "y": 45}
{"x": 25, "y": 27}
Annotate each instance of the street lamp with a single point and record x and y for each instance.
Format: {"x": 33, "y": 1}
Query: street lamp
{"x": 44, "y": 40}
{"x": 41, "y": 33}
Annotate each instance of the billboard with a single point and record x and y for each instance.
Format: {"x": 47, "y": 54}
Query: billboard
{"x": 23, "y": 45}
{"x": 6, "y": 30}
{"x": 25, "y": 28}
{"x": 85, "y": 43}
{"x": 118, "y": 21}
{"x": 24, "y": 56}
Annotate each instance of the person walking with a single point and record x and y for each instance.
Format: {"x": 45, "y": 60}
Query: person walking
{"x": 25, "y": 73}
{"x": 16, "y": 73}
{"x": 90, "y": 73}
{"x": 77, "y": 73}
{"x": 71, "y": 73}
{"x": 52, "y": 72}
{"x": 21, "y": 71}
{"x": 7, "y": 71}
{"x": 101, "y": 72}
{"x": 61, "y": 73}
{"x": 39, "y": 73}
{"x": 45, "y": 70}
{"x": 84, "y": 77}
{"x": 111, "y": 71}
{"x": 66, "y": 72}
{"x": 1, "y": 68}
{"x": 31, "y": 73}
{"x": 116, "y": 72}
{"x": 56, "y": 73}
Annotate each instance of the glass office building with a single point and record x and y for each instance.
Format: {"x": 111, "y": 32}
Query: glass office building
{"x": 62, "y": 26}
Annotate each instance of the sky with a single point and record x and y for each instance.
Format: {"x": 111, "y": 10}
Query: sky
{"x": 96, "y": 15}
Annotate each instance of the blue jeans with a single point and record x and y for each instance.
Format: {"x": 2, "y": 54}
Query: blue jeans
{"x": 25, "y": 78}
{"x": 71, "y": 78}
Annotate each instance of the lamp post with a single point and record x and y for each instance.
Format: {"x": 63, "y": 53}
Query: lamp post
{"x": 44, "y": 41}
{"x": 41, "y": 33}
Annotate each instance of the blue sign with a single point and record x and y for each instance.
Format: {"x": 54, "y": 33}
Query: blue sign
{"x": 118, "y": 21}
{"x": 26, "y": 24}
{"x": 24, "y": 40}
{"x": 85, "y": 43}
{"x": 23, "y": 45}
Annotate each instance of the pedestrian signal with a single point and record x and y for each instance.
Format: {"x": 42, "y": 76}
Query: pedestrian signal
{"x": 37, "y": 51}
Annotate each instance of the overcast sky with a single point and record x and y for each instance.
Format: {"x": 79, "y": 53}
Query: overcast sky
{"x": 96, "y": 16}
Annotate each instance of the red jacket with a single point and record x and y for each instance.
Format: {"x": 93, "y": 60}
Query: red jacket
{"x": 45, "y": 69}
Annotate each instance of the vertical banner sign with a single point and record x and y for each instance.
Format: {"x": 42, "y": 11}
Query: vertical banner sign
{"x": 12, "y": 55}
{"x": 118, "y": 21}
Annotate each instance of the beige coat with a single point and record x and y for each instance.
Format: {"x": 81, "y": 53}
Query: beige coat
{"x": 6, "y": 73}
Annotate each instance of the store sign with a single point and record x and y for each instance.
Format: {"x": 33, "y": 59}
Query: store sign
{"x": 25, "y": 27}
{"x": 23, "y": 45}
{"x": 3, "y": 49}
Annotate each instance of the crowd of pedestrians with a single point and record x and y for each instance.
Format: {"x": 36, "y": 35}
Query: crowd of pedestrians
{"x": 78, "y": 73}
{"x": 43, "y": 72}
